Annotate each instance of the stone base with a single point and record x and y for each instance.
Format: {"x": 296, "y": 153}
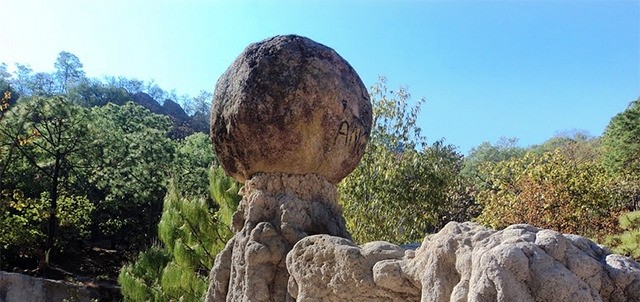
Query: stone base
{"x": 276, "y": 211}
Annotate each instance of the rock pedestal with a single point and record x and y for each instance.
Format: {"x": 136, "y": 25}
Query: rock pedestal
{"x": 290, "y": 118}
{"x": 276, "y": 211}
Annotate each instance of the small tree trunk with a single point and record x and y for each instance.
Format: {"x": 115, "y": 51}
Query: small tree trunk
{"x": 53, "y": 191}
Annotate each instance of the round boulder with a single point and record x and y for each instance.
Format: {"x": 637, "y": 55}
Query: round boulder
{"x": 290, "y": 105}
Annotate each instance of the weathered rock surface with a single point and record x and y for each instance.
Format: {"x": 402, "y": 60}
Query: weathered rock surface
{"x": 326, "y": 268}
{"x": 276, "y": 211}
{"x": 18, "y": 288}
{"x": 463, "y": 262}
{"x": 290, "y": 105}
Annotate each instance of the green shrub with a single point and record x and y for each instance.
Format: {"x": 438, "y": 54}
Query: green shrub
{"x": 399, "y": 190}
{"x": 628, "y": 242}
{"x": 550, "y": 190}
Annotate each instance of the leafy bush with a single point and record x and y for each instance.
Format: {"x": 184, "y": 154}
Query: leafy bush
{"x": 75, "y": 215}
{"x": 399, "y": 189}
{"x": 23, "y": 221}
{"x": 549, "y": 190}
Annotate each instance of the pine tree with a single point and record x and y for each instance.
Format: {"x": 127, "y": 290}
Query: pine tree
{"x": 193, "y": 230}
{"x": 140, "y": 281}
{"x": 627, "y": 243}
{"x": 621, "y": 141}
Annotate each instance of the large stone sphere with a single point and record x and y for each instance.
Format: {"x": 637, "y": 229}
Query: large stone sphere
{"x": 290, "y": 105}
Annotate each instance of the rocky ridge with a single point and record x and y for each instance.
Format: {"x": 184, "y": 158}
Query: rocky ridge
{"x": 184, "y": 124}
{"x": 463, "y": 262}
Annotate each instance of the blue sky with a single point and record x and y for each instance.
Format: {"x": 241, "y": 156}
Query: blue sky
{"x": 525, "y": 69}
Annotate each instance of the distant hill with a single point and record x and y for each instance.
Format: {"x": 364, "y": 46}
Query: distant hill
{"x": 184, "y": 125}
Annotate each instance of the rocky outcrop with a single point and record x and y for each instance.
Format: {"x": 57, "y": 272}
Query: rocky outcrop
{"x": 183, "y": 124}
{"x": 276, "y": 211}
{"x": 174, "y": 110}
{"x": 463, "y": 262}
{"x": 290, "y": 105}
{"x": 148, "y": 102}
{"x": 18, "y": 287}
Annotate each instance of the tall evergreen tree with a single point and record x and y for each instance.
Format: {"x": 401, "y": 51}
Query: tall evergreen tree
{"x": 621, "y": 141}
{"x": 51, "y": 138}
{"x": 68, "y": 71}
{"x": 22, "y": 79}
{"x": 130, "y": 171}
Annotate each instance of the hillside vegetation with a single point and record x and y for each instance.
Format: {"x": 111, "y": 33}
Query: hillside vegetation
{"x": 85, "y": 165}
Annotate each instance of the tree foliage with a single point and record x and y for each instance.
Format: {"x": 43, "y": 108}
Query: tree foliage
{"x": 106, "y": 167}
{"x": 193, "y": 229}
{"x": 4, "y": 73}
{"x": 92, "y": 93}
{"x": 50, "y": 137}
{"x": 401, "y": 184}
{"x": 621, "y": 141}
{"x": 68, "y": 71}
{"x": 21, "y": 81}
{"x": 21, "y": 221}
{"x": 80, "y": 146}
{"x": 140, "y": 280}
{"x": 194, "y": 233}
{"x": 131, "y": 85}
{"x": 575, "y": 144}
{"x": 503, "y": 149}
{"x": 130, "y": 170}
{"x": 193, "y": 158}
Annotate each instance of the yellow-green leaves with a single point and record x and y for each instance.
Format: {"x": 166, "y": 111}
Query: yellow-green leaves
{"x": 550, "y": 190}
